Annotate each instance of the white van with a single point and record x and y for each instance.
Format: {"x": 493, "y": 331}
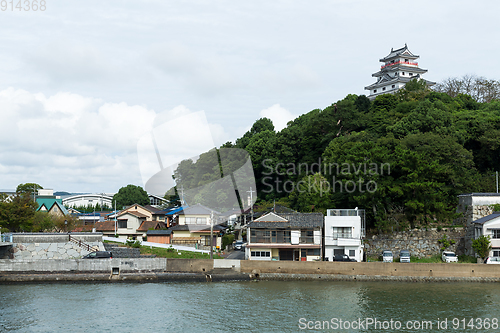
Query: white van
{"x": 387, "y": 256}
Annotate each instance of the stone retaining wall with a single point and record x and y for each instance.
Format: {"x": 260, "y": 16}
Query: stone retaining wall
{"x": 122, "y": 252}
{"x": 68, "y": 250}
{"x": 420, "y": 243}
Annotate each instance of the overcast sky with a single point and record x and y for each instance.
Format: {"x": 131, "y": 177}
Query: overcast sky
{"x": 82, "y": 81}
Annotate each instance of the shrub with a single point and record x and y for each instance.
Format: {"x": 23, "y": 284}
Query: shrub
{"x": 227, "y": 239}
{"x": 445, "y": 242}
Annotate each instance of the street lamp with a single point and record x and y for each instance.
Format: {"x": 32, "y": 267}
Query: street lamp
{"x": 66, "y": 225}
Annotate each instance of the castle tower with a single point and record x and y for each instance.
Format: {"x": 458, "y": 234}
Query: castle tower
{"x": 399, "y": 67}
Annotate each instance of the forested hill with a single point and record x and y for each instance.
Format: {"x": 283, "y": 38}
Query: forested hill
{"x": 404, "y": 158}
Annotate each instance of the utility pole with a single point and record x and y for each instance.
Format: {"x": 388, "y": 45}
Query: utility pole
{"x": 497, "y": 181}
{"x": 211, "y": 234}
{"x": 115, "y": 217}
{"x": 251, "y": 202}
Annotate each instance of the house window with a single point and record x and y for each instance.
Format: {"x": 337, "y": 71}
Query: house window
{"x": 261, "y": 254}
{"x": 496, "y": 252}
{"x": 496, "y": 233}
{"x": 406, "y": 60}
{"x": 342, "y": 232}
{"x": 338, "y": 251}
{"x": 313, "y": 252}
{"x": 411, "y": 74}
{"x": 352, "y": 253}
{"x": 393, "y": 86}
{"x": 402, "y": 73}
{"x": 375, "y": 91}
{"x": 201, "y": 220}
{"x": 383, "y": 88}
{"x": 122, "y": 224}
{"x": 307, "y": 236}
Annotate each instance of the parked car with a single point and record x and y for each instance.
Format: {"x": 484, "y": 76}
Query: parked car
{"x": 239, "y": 245}
{"x": 448, "y": 256}
{"x": 343, "y": 257}
{"x": 387, "y": 256}
{"x": 99, "y": 255}
{"x": 492, "y": 260}
{"x": 404, "y": 256}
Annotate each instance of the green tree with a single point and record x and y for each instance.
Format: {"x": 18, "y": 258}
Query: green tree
{"x": 28, "y": 188}
{"x": 43, "y": 222}
{"x": 17, "y": 213}
{"x": 311, "y": 194}
{"x": 482, "y": 246}
{"x": 129, "y": 195}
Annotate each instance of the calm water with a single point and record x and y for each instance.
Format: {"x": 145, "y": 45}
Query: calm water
{"x": 264, "y": 306}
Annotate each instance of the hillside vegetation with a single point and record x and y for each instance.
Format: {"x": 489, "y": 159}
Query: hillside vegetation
{"x": 403, "y": 158}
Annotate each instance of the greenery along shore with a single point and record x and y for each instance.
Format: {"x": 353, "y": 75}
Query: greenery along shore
{"x": 409, "y": 156}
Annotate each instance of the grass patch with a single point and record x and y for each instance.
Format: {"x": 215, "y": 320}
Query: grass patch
{"x": 167, "y": 253}
{"x": 111, "y": 242}
{"x": 431, "y": 260}
{"x": 467, "y": 259}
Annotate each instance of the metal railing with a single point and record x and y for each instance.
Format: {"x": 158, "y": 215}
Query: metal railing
{"x": 350, "y": 212}
{"x": 80, "y": 244}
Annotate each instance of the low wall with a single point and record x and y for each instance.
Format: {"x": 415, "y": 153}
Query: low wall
{"x": 83, "y": 265}
{"x": 372, "y": 269}
{"x": 420, "y": 243}
{"x": 203, "y": 265}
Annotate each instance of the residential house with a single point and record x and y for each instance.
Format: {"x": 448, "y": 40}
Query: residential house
{"x": 489, "y": 226}
{"x": 194, "y": 227}
{"x": 287, "y": 236}
{"x": 344, "y": 231}
{"x": 48, "y": 202}
{"x": 133, "y": 222}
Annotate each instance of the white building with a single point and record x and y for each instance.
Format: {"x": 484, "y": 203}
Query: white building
{"x": 85, "y": 200}
{"x": 344, "y": 232}
{"x": 489, "y": 226}
{"x": 399, "y": 67}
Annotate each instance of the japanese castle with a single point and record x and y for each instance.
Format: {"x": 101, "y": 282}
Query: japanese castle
{"x": 399, "y": 67}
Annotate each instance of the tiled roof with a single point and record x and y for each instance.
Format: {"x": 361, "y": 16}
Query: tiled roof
{"x": 160, "y": 232}
{"x": 294, "y": 220}
{"x": 395, "y": 53}
{"x": 154, "y": 210}
{"x": 146, "y": 225}
{"x": 105, "y": 226}
{"x": 133, "y": 213}
{"x": 197, "y": 210}
{"x": 271, "y": 217}
{"x": 485, "y": 219}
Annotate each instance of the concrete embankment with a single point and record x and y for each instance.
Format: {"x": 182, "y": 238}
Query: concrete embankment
{"x": 161, "y": 269}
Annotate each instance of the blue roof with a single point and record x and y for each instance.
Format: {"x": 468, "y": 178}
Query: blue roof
{"x": 172, "y": 211}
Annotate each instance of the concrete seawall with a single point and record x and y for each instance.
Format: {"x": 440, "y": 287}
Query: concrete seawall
{"x": 161, "y": 269}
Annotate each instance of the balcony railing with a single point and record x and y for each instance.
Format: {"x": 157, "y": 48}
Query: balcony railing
{"x": 306, "y": 240}
{"x": 349, "y": 235}
{"x": 399, "y": 62}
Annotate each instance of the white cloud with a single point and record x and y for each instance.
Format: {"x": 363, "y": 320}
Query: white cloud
{"x": 279, "y": 116}
{"x": 66, "y": 137}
